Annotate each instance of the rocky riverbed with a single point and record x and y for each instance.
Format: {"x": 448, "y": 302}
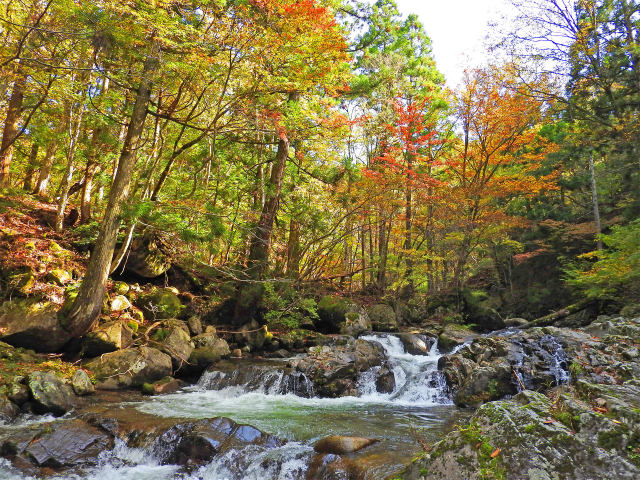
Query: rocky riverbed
{"x": 543, "y": 403}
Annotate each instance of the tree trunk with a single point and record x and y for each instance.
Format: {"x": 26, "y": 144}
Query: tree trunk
{"x": 560, "y": 314}
{"x": 11, "y": 128}
{"x": 261, "y": 239}
{"x": 68, "y": 175}
{"x": 293, "y": 250}
{"x": 49, "y": 157}
{"x": 594, "y": 198}
{"x": 408, "y": 225}
{"x": 31, "y": 168}
{"x": 88, "y": 303}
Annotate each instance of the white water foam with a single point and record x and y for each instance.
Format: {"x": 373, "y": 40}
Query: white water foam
{"x": 418, "y": 381}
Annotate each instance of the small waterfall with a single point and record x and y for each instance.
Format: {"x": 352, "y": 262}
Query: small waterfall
{"x": 417, "y": 379}
{"x": 558, "y": 362}
{"x": 269, "y": 380}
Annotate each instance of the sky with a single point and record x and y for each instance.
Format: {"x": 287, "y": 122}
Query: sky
{"x": 457, "y": 29}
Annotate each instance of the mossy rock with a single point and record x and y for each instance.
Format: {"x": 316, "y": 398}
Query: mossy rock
{"x": 121, "y": 288}
{"x": 32, "y": 323}
{"x": 22, "y": 283}
{"x": 332, "y": 311}
{"x": 159, "y": 304}
{"x": 59, "y": 276}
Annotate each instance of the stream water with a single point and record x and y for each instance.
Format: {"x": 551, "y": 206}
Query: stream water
{"x": 418, "y": 404}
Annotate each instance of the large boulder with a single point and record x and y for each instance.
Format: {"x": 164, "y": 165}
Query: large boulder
{"x": 335, "y": 369}
{"x": 383, "y": 318}
{"x": 338, "y": 315}
{"x": 416, "y": 344}
{"x": 534, "y": 437}
{"x": 159, "y": 304}
{"x": 50, "y": 393}
{"x": 32, "y": 323}
{"x": 172, "y": 337}
{"x": 146, "y": 258}
{"x": 490, "y": 368}
{"x": 209, "y": 348}
{"x": 130, "y": 367}
{"x": 194, "y": 443}
{"x": 63, "y": 444}
{"x": 109, "y": 337}
{"x": 253, "y": 335}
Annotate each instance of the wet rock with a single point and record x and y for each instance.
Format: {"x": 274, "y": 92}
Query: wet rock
{"x": 81, "y": 383}
{"x": 385, "y": 381}
{"x": 50, "y": 393}
{"x": 146, "y": 258}
{"x": 67, "y": 444}
{"x": 108, "y": 337}
{"x": 334, "y": 369}
{"x": 415, "y": 344}
{"x": 452, "y": 336}
{"x": 193, "y": 443}
{"x": 162, "y": 387}
{"x": 32, "y": 323}
{"x": 383, "y": 318}
{"x": 338, "y": 444}
{"x": 335, "y": 467}
{"x": 534, "y": 436}
{"x": 130, "y": 367}
{"x": 159, "y": 304}
{"x": 486, "y": 369}
{"x": 8, "y": 410}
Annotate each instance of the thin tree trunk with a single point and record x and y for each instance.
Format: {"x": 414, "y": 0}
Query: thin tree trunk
{"x": 66, "y": 179}
{"x": 10, "y": 130}
{"x": 31, "y": 168}
{"x": 261, "y": 239}
{"x": 88, "y": 303}
{"x": 594, "y": 198}
{"x": 49, "y": 157}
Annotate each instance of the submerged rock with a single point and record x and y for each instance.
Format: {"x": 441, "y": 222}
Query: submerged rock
{"x": 339, "y": 444}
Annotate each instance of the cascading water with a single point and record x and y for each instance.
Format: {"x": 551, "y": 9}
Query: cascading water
{"x": 417, "y": 379}
{"x": 280, "y": 400}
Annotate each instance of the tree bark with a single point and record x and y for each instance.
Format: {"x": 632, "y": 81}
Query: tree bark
{"x": 10, "y": 130}
{"x": 88, "y": 303}
{"x": 261, "y": 239}
{"x": 594, "y": 199}
{"x": 293, "y": 250}
{"x": 560, "y": 314}
{"x": 31, "y": 168}
{"x": 49, "y": 157}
